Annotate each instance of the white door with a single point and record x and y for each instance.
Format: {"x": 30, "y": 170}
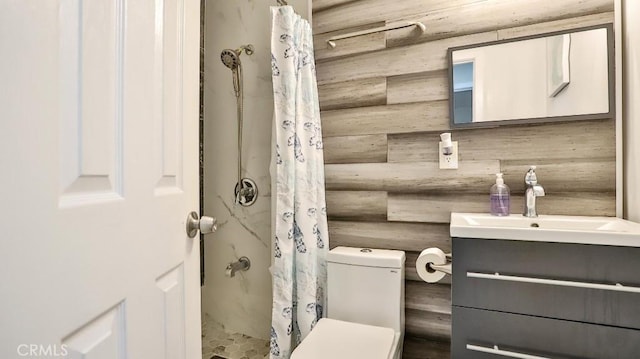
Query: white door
{"x": 98, "y": 171}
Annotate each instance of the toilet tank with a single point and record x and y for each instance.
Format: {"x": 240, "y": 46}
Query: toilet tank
{"x": 366, "y": 286}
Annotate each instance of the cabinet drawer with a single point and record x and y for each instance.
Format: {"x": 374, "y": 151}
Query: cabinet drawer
{"x": 476, "y": 332}
{"x": 566, "y": 272}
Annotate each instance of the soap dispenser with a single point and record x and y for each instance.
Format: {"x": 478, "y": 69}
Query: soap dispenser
{"x": 499, "y": 197}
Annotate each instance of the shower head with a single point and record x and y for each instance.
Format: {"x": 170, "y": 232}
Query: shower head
{"x": 231, "y": 58}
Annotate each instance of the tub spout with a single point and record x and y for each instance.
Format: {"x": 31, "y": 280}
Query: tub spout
{"x": 243, "y": 264}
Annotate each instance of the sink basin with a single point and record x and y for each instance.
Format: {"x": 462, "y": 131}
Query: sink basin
{"x": 547, "y": 228}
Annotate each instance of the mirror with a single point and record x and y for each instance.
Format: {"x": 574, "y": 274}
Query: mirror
{"x": 563, "y": 76}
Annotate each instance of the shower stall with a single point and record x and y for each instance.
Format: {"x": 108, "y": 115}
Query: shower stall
{"x": 238, "y": 114}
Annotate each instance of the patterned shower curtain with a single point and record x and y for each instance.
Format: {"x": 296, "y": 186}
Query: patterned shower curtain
{"x": 301, "y": 239}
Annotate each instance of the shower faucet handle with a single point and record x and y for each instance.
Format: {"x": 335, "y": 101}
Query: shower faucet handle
{"x": 246, "y": 192}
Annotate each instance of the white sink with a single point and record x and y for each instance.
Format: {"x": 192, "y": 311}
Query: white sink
{"x": 547, "y": 228}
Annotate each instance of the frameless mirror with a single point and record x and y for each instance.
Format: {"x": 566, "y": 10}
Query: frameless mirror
{"x": 558, "y": 76}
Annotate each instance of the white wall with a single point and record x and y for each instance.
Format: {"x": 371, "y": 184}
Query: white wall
{"x": 241, "y": 304}
{"x": 631, "y": 107}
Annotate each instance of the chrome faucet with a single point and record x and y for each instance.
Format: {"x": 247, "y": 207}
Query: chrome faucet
{"x": 533, "y": 190}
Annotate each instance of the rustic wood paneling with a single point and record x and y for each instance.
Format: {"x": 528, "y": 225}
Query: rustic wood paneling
{"x": 356, "y": 93}
{"x": 388, "y": 235}
{"x": 435, "y": 298}
{"x": 588, "y": 175}
{"x": 355, "y": 149}
{"x": 494, "y": 15}
{"x": 550, "y": 141}
{"x": 559, "y": 25}
{"x": 576, "y": 204}
{"x": 402, "y": 118}
{"x": 421, "y": 348}
{"x": 428, "y": 310}
{"x": 436, "y": 326}
{"x": 471, "y": 176}
{"x": 428, "y": 86}
{"x": 428, "y": 56}
{"x": 437, "y": 208}
{"x": 354, "y": 45}
{"x": 364, "y": 12}
{"x": 318, "y": 5}
{"x": 394, "y": 95}
{"x": 362, "y": 205}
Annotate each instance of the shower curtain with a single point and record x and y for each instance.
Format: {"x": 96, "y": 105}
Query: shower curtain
{"x": 301, "y": 239}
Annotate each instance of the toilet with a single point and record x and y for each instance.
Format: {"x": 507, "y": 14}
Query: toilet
{"x": 365, "y": 307}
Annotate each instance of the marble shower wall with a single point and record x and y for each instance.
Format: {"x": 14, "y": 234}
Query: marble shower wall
{"x": 241, "y": 304}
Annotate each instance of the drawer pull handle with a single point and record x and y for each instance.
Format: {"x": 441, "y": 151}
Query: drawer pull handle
{"x": 505, "y": 353}
{"x": 564, "y": 283}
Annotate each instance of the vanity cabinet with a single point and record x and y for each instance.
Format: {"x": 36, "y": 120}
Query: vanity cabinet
{"x": 528, "y": 299}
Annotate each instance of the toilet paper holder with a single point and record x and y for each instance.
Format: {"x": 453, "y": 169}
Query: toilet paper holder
{"x": 433, "y": 264}
{"x": 445, "y": 268}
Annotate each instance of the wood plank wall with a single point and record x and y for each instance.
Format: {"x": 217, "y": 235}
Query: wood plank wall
{"x": 384, "y": 101}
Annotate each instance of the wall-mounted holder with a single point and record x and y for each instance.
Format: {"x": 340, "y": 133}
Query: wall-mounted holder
{"x": 246, "y": 192}
{"x": 445, "y": 268}
{"x": 433, "y": 264}
{"x": 420, "y": 26}
{"x": 448, "y": 152}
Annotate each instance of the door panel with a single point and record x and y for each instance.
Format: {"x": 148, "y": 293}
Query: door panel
{"x": 169, "y": 97}
{"x": 99, "y": 155}
{"x": 91, "y": 58}
{"x": 102, "y": 337}
{"x": 171, "y": 285}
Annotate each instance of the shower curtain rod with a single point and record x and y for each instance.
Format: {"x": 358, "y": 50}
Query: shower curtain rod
{"x": 331, "y": 40}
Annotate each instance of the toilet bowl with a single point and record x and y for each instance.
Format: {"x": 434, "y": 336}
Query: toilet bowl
{"x": 338, "y": 339}
{"x": 365, "y": 307}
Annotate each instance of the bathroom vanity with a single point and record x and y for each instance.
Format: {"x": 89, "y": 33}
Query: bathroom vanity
{"x": 546, "y": 287}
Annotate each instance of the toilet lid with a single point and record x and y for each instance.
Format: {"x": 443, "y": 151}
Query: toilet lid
{"x": 336, "y": 339}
